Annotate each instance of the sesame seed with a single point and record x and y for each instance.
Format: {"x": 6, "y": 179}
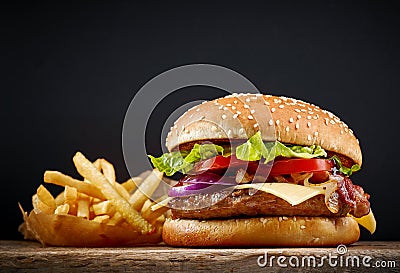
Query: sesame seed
{"x": 255, "y": 125}
{"x": 308, "y": 117}
{"x": 281, "y": 106}
{"x": 326, "y": 121}
{"x": 252, "y": 111}
{"x": 233, "y": 107}
{"x": 291, "y": 120}
{"x": 303, "y": 110}
{"x": 298, "y": 117}
{"x": 187, "y": 131}
{"x": 280, "y": 218}
{"x": 235, "y": 115}
{"x": 198, "y": 109}
{"x": 238, "y": 112}
{"x": 308, "y": 124}
{"x": 220, "y": 107}
{"x": 235, "y": 101}
{"x": 297, "y": 126}
{"x": 287, "y": 128}
{"x": 310, "y": 112}
{"x": 309, "y": 138}
{"x": 223, "y": 116}
{"x": 225, "y": 108}
{"x": 219, "y": 136}
{"x": 246, "y": 106}
{"x": 248, "y": 100}
{"x": 202, "y": 117}
{"x": 191, "y": 116}
{"x": 316, "y": 117}
{"x": 332, "y": 121}
{"x": 271, "y": 122}
{"x": 229, "y": 105}
{"x": 294, "y": 218}
{"x": 277, "y": 122}
{"x": 273, "y": 109}
{"x": 316, "y": 133}
{"x": 302, "y": 227}
{"x": 297, "y": 110}
{"x": 250, "y": 117}
{"x": 266, "y": 102}
{"x": 284, "y": 218}
{"x": 341, "y": 132}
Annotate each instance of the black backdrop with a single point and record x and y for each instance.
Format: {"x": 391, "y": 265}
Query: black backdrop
{"x": 70, "y": 70}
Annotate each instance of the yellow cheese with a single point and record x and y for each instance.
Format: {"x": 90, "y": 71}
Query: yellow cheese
{"x": 291, "y": 193}
{"x": 368, "y": 221}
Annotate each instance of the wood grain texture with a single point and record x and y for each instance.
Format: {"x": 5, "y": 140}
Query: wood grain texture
{"x": 26, "y": 256}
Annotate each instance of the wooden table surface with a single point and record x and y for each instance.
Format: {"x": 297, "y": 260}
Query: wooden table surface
{"x": 26, "y": 256}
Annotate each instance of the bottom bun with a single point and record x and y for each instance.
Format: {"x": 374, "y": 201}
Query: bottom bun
{"x": 262, "y": 231}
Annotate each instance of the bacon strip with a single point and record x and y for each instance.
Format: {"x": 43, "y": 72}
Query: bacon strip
{"x": 353, "y": 196}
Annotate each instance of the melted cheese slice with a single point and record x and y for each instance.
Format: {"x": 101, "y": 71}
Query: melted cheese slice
{"x": 291, "y": 193}
{"x": 368, "y": 221}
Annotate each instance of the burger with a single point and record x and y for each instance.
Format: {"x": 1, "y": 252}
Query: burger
{"x": 263, "y": 170}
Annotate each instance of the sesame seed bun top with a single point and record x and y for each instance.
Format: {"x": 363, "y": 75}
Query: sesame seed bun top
{"x": 288, "y": 120}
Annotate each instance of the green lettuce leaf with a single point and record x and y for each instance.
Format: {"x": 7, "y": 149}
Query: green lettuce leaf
{"x": 256, "y": 149}
{"x": 183, "y": 161}
{"x": 252, "y": 150}
{"x": 344, "y": 169}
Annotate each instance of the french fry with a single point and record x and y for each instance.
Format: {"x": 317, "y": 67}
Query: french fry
{"x": 109, "y": 173}
{"x": 116, "y": 219}
{"x": 70, "y": 195}
{"x": 83, "y": 206}
{"x": 122, "y": 191}
{"x": 131, "y": 183}
{"x": 60, "y": 199}
{"x": 40, "y": 205}
{"x": 61, "y": 179}
{"x": 62, "y": 209}
{"x": 45, "y": 196}
{"x": 146, "y": 189}
{"x": 97, "y": 164}
{"x": 146, "y": 205}
{"x": 101, "y": 219}
{"x": 108, "y": 170}
{"x": 90, "y": 172}
{"x": 153, "y": 215}
{"x": 104, "y": 207}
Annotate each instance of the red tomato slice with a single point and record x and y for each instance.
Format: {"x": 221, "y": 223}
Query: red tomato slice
{"x": 299, "y": 165}
{"x": 220, "y": 164}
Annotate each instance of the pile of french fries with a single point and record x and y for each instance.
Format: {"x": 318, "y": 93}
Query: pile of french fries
{"x": 95, "y": 211}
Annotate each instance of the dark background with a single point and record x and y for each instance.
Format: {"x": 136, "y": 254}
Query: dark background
{"x": 70, "y": 70}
